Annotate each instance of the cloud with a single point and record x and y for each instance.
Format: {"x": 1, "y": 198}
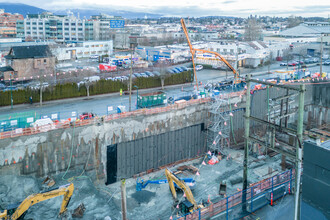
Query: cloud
{"x": 229, "y": 1}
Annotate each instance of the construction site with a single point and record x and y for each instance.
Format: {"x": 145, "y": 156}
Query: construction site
{"x": 234, "y": 154}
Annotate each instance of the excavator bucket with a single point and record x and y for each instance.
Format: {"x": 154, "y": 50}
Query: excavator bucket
{"x": 48, "y": 182}
{"x": 79, "y": 211}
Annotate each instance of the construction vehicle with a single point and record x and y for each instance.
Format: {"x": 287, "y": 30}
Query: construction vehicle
{"x": 189, "y": 204}
{"x": 193, "y": 52}
{"x": 141, "y": 184}
{"x": 19, "y": 210}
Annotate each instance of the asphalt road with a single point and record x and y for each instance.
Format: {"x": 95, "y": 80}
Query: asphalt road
{"x": 99, "y": 104}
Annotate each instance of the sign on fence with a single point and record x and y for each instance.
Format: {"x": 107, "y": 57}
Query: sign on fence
{"x": 110, "y": 108}
{"x": 13, "y": 122}
{"x": 54, "y": 116}
{"x": 29, "y": 120}
{"x": 74, "y": 114}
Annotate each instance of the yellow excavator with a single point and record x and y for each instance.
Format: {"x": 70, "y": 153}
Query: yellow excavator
{"x": 189, "y": 204}
{"x": 18, "y": 211}
{"x": 193, "y": 51}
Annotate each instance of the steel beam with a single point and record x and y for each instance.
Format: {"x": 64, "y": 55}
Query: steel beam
{"x": 288, "y": 130}
{"x": 280, "y": 151}
{"x": 275, "y": 85}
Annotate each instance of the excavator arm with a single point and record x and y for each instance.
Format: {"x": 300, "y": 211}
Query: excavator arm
{"x": 65, "y": 190}
{"x": 193, "y": 51}
{"x": 172, "y": 178}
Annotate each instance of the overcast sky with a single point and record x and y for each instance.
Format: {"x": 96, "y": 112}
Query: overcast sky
{"x": 195, "y": 8}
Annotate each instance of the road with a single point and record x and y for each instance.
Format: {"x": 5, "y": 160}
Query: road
{"x": 99, "y": 104}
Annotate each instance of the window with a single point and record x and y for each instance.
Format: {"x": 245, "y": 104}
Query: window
{"x": 40, "y": 23}
{"x": 38, "y": 62}
{"x": 80, "y": 29}
{"x": 40, "y": 28}
{"x": 45, "y": 61}
{"x": 34, "y": 28}
{"x": 66, "y": 29}
{"x": 66, "y": 23}
{"x": 73, "y": 24}
{"x": 73, "y": 29}
{"x": 34, "y": 23}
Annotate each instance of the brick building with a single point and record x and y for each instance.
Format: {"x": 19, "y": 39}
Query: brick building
{"x": 24, "y": 62}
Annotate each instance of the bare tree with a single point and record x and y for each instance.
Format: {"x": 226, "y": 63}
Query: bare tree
{"x": 252, "y": 30}
{"x": 293, "y": 21}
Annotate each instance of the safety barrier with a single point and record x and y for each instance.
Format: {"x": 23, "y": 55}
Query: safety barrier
{"x": 257, "y": 195}
{"x": 15, "y": 132}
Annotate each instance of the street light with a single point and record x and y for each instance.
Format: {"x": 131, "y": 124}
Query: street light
{"x": 137, "y": 96}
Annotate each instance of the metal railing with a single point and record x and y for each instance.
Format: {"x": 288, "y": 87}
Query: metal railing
{"x": 257, "y": 195}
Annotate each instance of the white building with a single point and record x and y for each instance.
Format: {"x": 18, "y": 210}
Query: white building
{"x": 83, "y": 49}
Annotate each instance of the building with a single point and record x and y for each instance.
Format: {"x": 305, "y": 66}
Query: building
{"x": 83, "y": 49}
{"x": 8, "y": 23}
{"x": 24, "y": 62}
{"x": 196, "y": 36}
{"x": 64, "y": 28}
{"x": 8, "y": 19}
{"x": 316, "y": 180}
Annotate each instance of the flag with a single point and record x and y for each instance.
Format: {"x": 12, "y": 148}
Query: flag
{"x": 171, "y": 217}
{"x": 214, "y": 143}
{"x": 220, "y": 133}
{"x": 203, "y": 163}
{"x": 184, "y": 195}
{"x": 197, "y": 173}
{"x": 177, "y": 206}
{"x": 235, "y": 105}
{"x": 209, "y": 153}
{"x": 231, "y": 114}
{"x": 225, "y": 123}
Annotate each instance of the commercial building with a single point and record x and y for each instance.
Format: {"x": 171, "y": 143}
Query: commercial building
{"x": 83, "y": 49}
{"x": 63, "y": 28}
{"x": 8, "y": 23}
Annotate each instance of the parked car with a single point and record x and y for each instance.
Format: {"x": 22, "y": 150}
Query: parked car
{"x": 199, "y": 67}
{"x": 156, "y": 73}
{"x": 178, "y": 69}
{"x": 283, "y": 64}
{"x": 184, "y": 68}
{"x": 327, "y": 62}
{"x": 149, "y": 73}
{"x": 175, "y": 71}
{"x": 170, "y": 71}
{"x": 144, "y": 75}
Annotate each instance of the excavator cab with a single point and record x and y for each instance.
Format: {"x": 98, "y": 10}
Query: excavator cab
{"x": 186, "y": 207}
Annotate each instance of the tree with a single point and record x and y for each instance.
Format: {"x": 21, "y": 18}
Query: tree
{"x": 294, "y": 21}
{"x": 252, "y": 30}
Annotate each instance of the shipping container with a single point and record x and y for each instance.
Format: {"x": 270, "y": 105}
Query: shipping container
{"x": 151, "y": 99}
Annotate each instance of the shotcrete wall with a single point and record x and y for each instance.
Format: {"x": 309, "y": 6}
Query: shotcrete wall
{"x": 50, "y": 152}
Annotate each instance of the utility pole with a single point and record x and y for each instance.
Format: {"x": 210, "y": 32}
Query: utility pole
{"x": 321, "y": 52}
{"x": 11, "y": 92}
{"x": 246, "y": 136}
{"x": 300, "y": 124}
{"x": 130, "y": 80}
{"x": 123, "y": 199}
{"x": 40, "y": 81}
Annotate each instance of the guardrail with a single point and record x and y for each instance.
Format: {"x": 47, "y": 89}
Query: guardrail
{"x": 258, "y": 195}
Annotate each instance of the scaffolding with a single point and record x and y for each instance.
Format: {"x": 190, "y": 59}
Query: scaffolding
{"x": 218, "y": 130}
